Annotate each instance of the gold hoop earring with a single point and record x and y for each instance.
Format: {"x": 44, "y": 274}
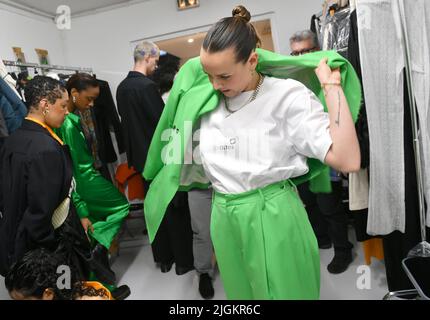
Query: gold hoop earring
{"x": 45, "y": 112}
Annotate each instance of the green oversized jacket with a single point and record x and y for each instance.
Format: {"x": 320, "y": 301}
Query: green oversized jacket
{"x": 192, "y": 96}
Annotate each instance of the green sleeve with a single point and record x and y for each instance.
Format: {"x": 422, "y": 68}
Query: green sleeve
{"x": 72, "y": 136}
{"x": 80, "y": 205}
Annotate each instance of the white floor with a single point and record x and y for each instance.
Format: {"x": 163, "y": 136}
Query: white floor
{"x": 135, "y": 267}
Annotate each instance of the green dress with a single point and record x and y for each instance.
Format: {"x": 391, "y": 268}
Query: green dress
{"x": 95, "y": 198}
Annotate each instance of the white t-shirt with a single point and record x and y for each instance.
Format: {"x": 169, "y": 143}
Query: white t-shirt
{"x": 265, "y": 141}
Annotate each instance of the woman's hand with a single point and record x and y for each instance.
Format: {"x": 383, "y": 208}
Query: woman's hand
{"x": 344, "y": 153}
{"x": 86, "y": 224}
{"x": 326, "y": 75}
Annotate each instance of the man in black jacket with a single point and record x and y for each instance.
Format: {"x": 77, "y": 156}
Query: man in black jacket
{"x": 140, "y": 106}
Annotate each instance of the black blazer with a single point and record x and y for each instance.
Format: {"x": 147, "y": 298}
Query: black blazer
{"x": 140, "y": 107}
{"x": 35, "y": 177}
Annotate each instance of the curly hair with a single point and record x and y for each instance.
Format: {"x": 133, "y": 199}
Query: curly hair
{"x": 36, "y": 272}
{"x": 41, "y": 87}
{"x": 81, "y": 290}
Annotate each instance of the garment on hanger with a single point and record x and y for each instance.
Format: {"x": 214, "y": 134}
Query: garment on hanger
{"x": 359, "y": 181}
{"x": 396, "y": 244}
{"x": 315, "y": 28}
{"x": 21, "y": 82}
{"x": 106, "y": 118}
{"x": 359, "y": 190}
{"x": 382, "y": 71}
{"x": 418, "y": 29}
{"x": 4, "y": 74}
{"x": 335, "y": 31}
{"x": 361, "y": 125}
{"x": 11, "y": 107}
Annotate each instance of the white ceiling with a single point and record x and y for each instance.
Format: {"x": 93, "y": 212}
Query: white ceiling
{"x": 48, "y": 8}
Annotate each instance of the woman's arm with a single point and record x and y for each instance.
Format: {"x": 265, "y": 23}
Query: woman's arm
{"x": 344, "y": 153}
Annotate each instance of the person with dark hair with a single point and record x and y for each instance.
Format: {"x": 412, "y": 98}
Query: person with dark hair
{"x": 260, "y": 132}
{"x": 36, "y": 182}
{"x": 100, "y": 205}
{"x": 43, "y": 275}
{"x": 35, "y": 277}
{"x": 165, "y": 83}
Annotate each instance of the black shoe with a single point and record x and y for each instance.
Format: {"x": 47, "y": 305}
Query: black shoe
{"x": 340, "y": 262}
{"x": 121, "y": 293}
{"x": 101, "y": 266}
{"x": 165, "y": 267}
{"x": 182, "y": 270}
{"x": 206, "y": 288}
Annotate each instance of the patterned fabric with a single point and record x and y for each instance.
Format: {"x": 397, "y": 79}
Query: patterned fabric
{"x": 89, "y": 130}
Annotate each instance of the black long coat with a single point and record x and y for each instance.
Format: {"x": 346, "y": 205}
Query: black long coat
{"x": 106, "y": 117}
{"x": 140, "y": 107}
{"x": 35, "y": 177}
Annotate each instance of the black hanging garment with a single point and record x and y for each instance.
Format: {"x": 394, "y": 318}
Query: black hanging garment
{"x": 359, "y": 217}
{"x": 106, "y": 118}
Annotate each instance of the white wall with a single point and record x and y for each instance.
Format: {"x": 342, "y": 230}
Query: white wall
{"x": 102, "y": 41}
{"x": 28, "y": 31}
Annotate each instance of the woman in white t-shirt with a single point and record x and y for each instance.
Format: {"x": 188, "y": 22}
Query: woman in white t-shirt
{"x": 251, "y": 145}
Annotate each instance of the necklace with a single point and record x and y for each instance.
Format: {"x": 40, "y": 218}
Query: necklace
{"x": 251, "y": 98}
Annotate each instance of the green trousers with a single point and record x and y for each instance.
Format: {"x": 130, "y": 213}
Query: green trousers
{"x": 265, "y": 245}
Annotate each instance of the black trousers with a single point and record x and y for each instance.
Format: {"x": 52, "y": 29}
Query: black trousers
{"x": 327, "y": 215}
{"x": 174, "y": 239}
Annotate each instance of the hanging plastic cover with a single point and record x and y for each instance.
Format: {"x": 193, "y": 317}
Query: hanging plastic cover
{"x": 335, "y": 30}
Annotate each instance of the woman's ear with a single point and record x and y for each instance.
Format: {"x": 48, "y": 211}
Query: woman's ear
{"x": 74, "y": 92}
{"x": 48, "y": 294}
{"x": 43, "y": 104}
{"x": 253, "y": 60}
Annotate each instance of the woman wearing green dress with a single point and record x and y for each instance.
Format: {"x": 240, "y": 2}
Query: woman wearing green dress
{"x": 99, "y": 204}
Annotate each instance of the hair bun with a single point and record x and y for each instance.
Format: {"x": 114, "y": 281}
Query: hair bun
{"x": 241, "y": 12}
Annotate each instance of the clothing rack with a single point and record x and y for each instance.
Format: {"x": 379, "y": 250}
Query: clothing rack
{"x": 46, "y": 66}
